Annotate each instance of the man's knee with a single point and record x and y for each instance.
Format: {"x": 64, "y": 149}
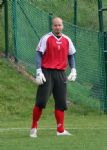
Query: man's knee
{"x": 41, "y": 104}
{"x": 61, "y": 106}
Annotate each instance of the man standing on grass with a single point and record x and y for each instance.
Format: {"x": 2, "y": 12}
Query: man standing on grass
{"x": 53, "y": 51}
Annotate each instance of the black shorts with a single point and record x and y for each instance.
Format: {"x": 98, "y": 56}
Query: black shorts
{"x": 56, "y": 83}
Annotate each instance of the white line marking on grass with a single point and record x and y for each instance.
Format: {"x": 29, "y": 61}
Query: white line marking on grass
{"x": 23, "y": 129}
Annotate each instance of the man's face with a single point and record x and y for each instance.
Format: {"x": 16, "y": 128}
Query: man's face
{"x": 57, "y": 26}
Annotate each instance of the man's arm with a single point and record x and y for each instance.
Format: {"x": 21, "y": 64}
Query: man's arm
{"x": 71, "y": 61}
{"x": 73, "y": 74}
{"x": 40, "y": 78}
{"x": 38, "y": 59}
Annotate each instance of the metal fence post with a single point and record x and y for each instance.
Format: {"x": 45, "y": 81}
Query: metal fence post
{"x": 100, "y": 13}
{"x": 6, "y": 26}
{"x": 104, "y": 36}
{"x": 50, "y": 21}
{"x": 75, "y": 20}
{"x": 14, "y": 28}
{"x": 105, "y": 55}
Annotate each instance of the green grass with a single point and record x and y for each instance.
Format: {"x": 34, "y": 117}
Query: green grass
{"x": 14, "y": 91}
{"x": 81, "y": 140}
{"x": 17, "y": 96}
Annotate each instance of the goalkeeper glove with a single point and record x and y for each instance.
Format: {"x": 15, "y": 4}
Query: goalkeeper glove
{"x": 72, "y": 76}
{"x": 40, "y": 78}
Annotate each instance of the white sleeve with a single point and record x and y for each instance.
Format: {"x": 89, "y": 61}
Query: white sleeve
{"x": 42, "y": 45}
{"x": 72, "y": 49}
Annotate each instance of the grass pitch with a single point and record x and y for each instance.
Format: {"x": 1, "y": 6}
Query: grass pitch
{"x": 17, "y": 96}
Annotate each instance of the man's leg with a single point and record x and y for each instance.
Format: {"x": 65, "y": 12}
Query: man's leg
{"x": 36, "y": 116}
{"x": 43, "y": 93}
{"x": 59, "y": 93}
{"x": 59, "y": 115}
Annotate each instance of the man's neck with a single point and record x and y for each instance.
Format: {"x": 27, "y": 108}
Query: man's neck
{"x": 57, "y": 35}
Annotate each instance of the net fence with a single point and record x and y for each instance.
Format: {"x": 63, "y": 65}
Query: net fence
{"x": 30, "y": 20}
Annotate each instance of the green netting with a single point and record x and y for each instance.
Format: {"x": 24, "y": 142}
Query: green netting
{"x": 30, "y": 20}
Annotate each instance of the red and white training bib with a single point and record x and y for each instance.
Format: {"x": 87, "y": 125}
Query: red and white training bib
{"x": 55, "y": 51}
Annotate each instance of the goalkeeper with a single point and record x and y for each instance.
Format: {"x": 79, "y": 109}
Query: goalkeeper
{"x": 52, "y": 53}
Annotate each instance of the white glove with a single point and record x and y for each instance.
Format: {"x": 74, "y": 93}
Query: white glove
{"x": 40, "y": 78}
{"x": 72, "y": 76}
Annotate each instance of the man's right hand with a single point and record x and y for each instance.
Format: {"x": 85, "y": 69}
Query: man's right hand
{"x": 40, "y": 78}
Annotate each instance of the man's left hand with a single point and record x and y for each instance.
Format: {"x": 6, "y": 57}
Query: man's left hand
{"x": 73, "y": 75}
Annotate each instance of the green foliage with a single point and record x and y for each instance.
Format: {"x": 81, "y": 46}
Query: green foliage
{"x": 87, "y": 12}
